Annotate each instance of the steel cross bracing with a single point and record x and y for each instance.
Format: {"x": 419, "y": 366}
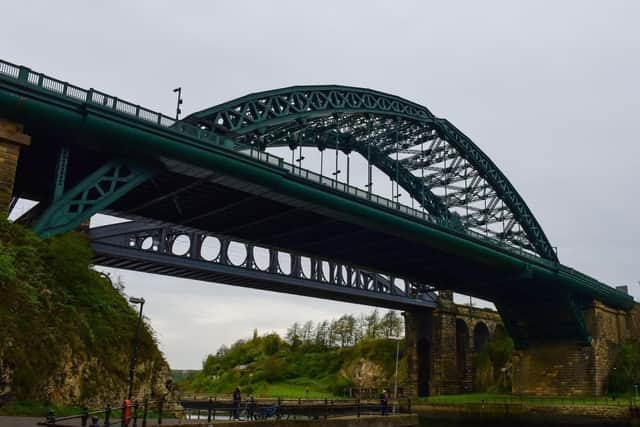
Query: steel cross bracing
{"x": 195, "y": 254}
{"x": 438, "y": 166}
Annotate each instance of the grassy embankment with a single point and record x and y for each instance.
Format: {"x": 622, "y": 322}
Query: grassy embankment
{"x": 268, "y": 366}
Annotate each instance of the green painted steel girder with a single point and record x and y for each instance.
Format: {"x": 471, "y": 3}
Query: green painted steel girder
{"x": 72, "y": 207}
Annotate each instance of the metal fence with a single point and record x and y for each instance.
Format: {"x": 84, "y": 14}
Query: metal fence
{"x": 141, "y": 414}
{"x": 134, "y": 414}
{"x": 213, "y": 409}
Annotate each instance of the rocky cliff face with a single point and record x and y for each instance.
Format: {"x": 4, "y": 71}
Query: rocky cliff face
{"x": 84, "y": 380}
{"x": 366, "y": 374}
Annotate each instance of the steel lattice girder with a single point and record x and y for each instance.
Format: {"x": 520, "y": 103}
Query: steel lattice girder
{"x": 150, "y": 247}
{"x": 71, "y": 207}
{"x": 362, "y": 120}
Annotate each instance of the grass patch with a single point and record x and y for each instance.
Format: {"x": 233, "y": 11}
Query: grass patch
{"x": 34, "y": 408}
{"x": 495, "y": 398}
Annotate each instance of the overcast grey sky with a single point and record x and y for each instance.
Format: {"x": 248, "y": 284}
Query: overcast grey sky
{"x": 548, "y": 89}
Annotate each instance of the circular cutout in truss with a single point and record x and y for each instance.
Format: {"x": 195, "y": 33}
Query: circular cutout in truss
{"x": 181, "y": 245}
{"x": 261, "y": 258}
{"x": 237, "y": 253}
{"x": 210, "y": 248}
{"x": 147, "y": 243}
{"x": 284, "y": 261}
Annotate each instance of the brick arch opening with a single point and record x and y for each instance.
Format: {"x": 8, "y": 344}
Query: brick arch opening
{"x": 424, "y": 370}
{"x": 462, "y": 344}
{"x": 481, "y": 336}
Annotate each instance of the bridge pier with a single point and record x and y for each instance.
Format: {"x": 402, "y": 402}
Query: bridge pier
{"x": 12, "y": 139}
{"x": 562, "y": 368}
{"x": 418, "y": 343}
{"x": 441, "y": 346}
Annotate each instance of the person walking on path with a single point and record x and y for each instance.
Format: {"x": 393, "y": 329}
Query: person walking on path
{"x": 384, "y": 402}
{"x": 237, "y": 398}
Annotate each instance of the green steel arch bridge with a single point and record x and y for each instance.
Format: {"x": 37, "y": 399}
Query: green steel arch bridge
{"x": 210, "y": 181}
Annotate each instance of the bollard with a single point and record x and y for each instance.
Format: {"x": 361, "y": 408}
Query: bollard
{"x": 145, "y": 412}
{"x": 295, "y": 415}
{"x": 85, "y": 416}
{"x": 51, "y": 418}
{"x": 326, "y": 408}
{"x": 95, "y": 421}
{"x": 214, "y": 408}
{"x": 107, "y": 416}
{"x": 279, "y": 408}
{"x": 160, "y": 405}
{"x": 209, "y": 411}
{"x": 409, "y": 405}
{"x": 358, "y": 408}
{"x": 136, "y": 405}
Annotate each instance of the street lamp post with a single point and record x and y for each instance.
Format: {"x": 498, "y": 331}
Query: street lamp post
{"x": 134, "y": 354}
{"x": 395, "y": 378}
{"x": 178, "y": 90}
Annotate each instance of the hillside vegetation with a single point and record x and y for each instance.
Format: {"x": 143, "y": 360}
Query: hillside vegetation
{"x": 65, "y": 331}
{"x": 315, "y": 361}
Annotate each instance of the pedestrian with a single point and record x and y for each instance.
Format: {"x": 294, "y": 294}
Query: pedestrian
{"x": 384, "y": 402}
{"x": 237, "y": 398}
{"x": 251, "y": 408}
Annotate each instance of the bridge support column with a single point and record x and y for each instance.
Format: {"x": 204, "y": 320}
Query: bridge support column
{"x": 451, "y": 350}
{"x": 12, "y": 139}
{"x": 418, "y": 339}
{"x": 562, "y": 368}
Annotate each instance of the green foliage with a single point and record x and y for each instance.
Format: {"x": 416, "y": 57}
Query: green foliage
{"x": 271, "y": 344}
{"x": 626, "y": 371}
{"x": 491, "y": 363}
{"x": 53, "y": 305}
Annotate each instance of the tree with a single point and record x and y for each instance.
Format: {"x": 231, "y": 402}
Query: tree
{"x": 322, "y": 331}
{"x": 332, "y": 333}
{"x": 373, "y": 325}
{"x": 307, "y": 332}
{"x": 391, "y": 324}
{"x": 222, "y": 351}
{"x": 271, "y": 344}
{"x": 360, "y": 329}
{"x": 293, "y": 335}
{"x": 626, "y": 371}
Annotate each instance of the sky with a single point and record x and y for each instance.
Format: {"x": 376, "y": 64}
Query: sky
{"x": 549, "y": 90}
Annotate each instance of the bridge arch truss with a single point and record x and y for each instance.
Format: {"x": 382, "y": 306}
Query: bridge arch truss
{"x": 433, "y": 161}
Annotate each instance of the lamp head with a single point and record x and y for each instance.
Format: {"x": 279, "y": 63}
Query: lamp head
{"x": 134, "y": 300}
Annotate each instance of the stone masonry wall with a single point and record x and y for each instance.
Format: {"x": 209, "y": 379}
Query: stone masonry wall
{"x": 11, "y": 140}
{"x": 568, "y": 369}
{"x": 439, "y": 328}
